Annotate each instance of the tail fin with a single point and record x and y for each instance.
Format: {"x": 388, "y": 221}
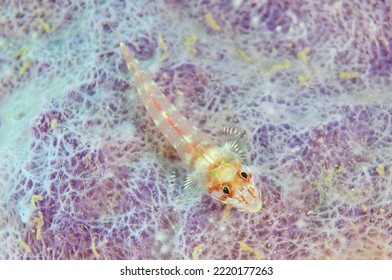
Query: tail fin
{"x": 124, "y": 50}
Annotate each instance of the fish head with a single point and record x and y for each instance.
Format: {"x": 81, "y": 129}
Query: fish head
{"x": 232, "y": 183}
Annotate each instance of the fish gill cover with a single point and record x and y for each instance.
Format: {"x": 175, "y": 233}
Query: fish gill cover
{"x": 84, "y": 174}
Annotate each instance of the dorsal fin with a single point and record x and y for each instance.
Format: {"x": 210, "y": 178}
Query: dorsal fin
{"x": 234, "y": 141}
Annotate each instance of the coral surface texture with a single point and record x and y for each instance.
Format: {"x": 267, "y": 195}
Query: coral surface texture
{"x": 85, "y": 174}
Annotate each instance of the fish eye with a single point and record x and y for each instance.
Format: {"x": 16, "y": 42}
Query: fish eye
{"x": 244, "y": 175}
{"x": 226, "y": 190}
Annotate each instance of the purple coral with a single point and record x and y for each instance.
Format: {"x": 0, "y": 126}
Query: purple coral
{"x": 84, "y": 173}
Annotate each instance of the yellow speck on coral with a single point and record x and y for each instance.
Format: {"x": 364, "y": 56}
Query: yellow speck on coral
{"x": 366, "y": 98}
{"x": 92, "y": 247}
{"x": 34, "y": 199}
{"x": 364, "y": 207}
{"x": 191, "y": 40}
{"x": 21, "y": 52}
{"x": 338, "y": 168}
{"x": 161, "y": 43}
{"x": 276, "y": 67}
{"x": 40, "y": 223}
{"x": 164, "y": 57}
{"x": 211, "y": 22}
{"x": 44, "y": 25}
{"x": 348, "y": 75}
{"x": 365, "y": 191}
{"x": 328, "y": 178}
{"x": 192, "y": 50}
{"x": 53, "y": 123}
{"x": 25, "y": 66}
{"x": 23, "y": 245}
{"x": 226, "y": 212}
{"x": 326, "y": 246}
{"x": 249, "y": 249}
{"x": 303, "y": 55}
{"x": 380, "y": 170}
{"x": 303, "y": 79}
{"x": 243, "y": 55}
{"x": 189, "y": 44}
{"x": 197, "y": 250}
{"x": 286, "y": 64}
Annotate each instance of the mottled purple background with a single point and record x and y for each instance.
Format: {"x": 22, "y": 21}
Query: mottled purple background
{"x": 84, "y": 173}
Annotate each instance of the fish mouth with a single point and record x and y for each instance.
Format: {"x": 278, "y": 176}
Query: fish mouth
{"x": 257, "y": 208}
{"x": 254, "y": 207}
